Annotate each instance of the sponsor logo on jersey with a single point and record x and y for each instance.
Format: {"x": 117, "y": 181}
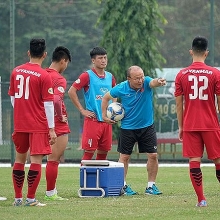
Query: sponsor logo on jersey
{"x": 98, "y": 97}
{"x": 104, "y": 90}
{"x": 77, "y": 81}
{"x": 28, "y": 72}
{"x": 61, "y": 89}
{"x": 50, "y": 90}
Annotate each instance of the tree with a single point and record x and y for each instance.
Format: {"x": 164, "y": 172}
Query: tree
{"x": 68, "y": 23}
{"x": 187, "y": 19}
{"x": 130, "y": 30}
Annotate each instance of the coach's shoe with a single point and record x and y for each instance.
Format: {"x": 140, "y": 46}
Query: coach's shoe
{"x": 17, "y": 202}
{"x": 152, "y": 190}
{"x": 34, "y": 203}
{"x": 203, "y": 203}
{"x": 54, "y": 197}
{"x": 126, "y": 190}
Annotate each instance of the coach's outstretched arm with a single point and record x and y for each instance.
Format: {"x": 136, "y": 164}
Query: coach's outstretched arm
{"x": 157, "y": 82}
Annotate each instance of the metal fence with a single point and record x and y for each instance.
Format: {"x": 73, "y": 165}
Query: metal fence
{"x": 166, "y": 125}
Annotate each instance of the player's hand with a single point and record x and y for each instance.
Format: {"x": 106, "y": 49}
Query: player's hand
{"x": 64, "y": 119}
{"x": 180, "y": 134}
{"x": 53, "y": 136}
{"x": 88, "y": 114}
{"x": 162, "y": 81}
{"x": 108, "y": 121}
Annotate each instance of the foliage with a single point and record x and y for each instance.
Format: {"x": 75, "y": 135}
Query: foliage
{"x": 68, "y": 23}
{"x": 130, "y": 30}
{"x": 187, "y": 19}
{"x": 177, "y": 201}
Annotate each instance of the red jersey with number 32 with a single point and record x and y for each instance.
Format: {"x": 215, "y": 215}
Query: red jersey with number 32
{"x": 199, "y": 84}
{"x": 31, "y": 86}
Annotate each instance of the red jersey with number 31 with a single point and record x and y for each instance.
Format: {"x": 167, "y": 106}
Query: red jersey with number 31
{"x": 31, "y": 86}
{"x": 199, "y": 84}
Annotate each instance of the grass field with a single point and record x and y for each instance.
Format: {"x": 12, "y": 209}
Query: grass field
{"x": 177, "y": 201}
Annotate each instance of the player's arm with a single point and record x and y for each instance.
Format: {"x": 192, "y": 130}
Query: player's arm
{"x": 218, "y": 102}
{"x": 59, "y": 92}
{"x": 12, "y": 101}
{"x": 105, "y": 101}
{"x": 157, "y": 82}
{"x": 114, "y": 83}
{"x": 49, "y": 110}
{"x": 58, "y": 106}
{"x": 179, "y": 112}
{"x": 75, "y": 100}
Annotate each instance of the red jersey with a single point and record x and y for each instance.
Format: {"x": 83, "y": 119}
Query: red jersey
{"x": 31, "y": 86}
{"x": 83, "y": 81}
{"x": 59, "y": 87}
{"x": 199, "y": 84}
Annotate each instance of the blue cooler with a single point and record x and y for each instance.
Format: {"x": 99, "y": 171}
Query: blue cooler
{"x": 101, "y": 178}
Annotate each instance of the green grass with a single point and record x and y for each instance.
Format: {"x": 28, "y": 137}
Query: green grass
{"x": 177, "y": 201}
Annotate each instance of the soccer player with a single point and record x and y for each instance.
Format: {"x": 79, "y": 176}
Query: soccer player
{"x": 97, "y": 135}
{"x": 60, "y": 59}
{"x": 32, "y": 99}
{"x": 197, "y": 90}
{"x": 136, "y": 97}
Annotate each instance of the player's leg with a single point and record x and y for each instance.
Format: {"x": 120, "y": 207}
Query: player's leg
{"x": 21, "y": 141}
{"x": 147, "y": 143}
{"x": 52, "y": 167}
{"x": 193, "y": 148}
{"x": 39, "y": 146}
{"x": 105, "y": 141}
{"x": 213, "y": 149}
{"x": 89, "y": 138}
{"x": 126, "y": 143}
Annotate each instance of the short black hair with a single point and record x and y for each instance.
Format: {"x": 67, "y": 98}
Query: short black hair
{"x": 60, "y": 53}
{"x": 199, "y": 44}
{"x": 37, "y": 47}
{"x": 97, "y": 51}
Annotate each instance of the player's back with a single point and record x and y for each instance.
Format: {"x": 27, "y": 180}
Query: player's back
{"x": 199, "y": 83}
{"x": 31, "y": 86}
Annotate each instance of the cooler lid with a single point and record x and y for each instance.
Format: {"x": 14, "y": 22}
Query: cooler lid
{"x": 101, "y": 163}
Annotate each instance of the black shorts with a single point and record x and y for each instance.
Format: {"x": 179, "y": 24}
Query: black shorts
{"x": 145, "y": 137}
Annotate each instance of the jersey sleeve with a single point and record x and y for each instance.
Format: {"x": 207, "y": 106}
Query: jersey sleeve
{"x": 82, "y": 81}
{"x": 178, "y": 86}
{"x": 114, "y": 92}
{"x": 113, "y": 81}
{"x": 60, "y": 87}
{"x": 47, "y": 90}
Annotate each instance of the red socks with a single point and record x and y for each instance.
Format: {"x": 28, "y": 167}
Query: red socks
{"x": 33, "y": 178}
{"x": 196, "y": 179}
{"x": 51, "y": 174}
{"x": 101, "y": 156}
{"x": 87, "y": 155}
{"x": 18, "y": 175}
{"x": 217, "y": 170}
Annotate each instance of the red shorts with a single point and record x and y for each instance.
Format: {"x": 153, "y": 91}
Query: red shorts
{"x": 96, "y": 135}
{"x": 61, "y": 128}
{"x": 194, "y": 143}
{"x": 38, "y": 143}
